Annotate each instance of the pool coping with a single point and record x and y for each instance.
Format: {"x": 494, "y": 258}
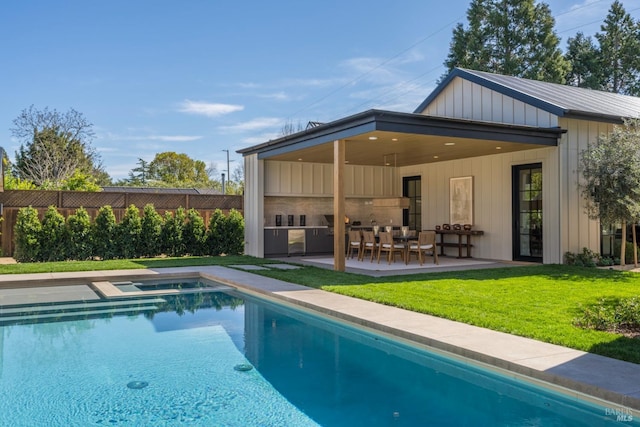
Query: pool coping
{"x": 582, "y": 374}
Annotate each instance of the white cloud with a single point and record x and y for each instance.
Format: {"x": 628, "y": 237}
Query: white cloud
{"x": 259, "y": 139}
{"x": 255, "y": 124}
{"x": 279, "y": 96}
{"x": 208, "y": 109}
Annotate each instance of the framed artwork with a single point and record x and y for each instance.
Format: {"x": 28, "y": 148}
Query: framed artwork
{"x": 461, "y": 200}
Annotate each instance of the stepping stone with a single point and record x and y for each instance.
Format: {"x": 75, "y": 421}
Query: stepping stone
{"x": 248, "y": 267}
{"x": 284, "y": 266}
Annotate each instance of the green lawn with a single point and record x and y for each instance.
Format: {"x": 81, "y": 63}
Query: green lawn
{"x": 539, "y": 302}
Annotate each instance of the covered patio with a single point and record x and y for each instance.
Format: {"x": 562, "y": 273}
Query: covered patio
{"x": 401, "y": 143}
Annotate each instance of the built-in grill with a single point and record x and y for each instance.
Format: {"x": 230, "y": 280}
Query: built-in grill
{"x": 330, "y": 223}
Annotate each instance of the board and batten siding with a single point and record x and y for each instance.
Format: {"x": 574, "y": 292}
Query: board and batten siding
{"x": 254, "y": 206}
{"x": 463, "y": 99}
{"x": 492, "y": 199}
{"x": 577, "y": 230}
{"x": 316, "y": 180}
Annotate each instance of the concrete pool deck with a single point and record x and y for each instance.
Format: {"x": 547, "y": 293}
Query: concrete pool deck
{"x": 582, "y": 374}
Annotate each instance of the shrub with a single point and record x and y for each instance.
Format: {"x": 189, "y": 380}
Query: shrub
{"x": 234, "y": 233}
{"x": 104, "y": 233}
{"x": 128, "y": 233}
{"x": 151, "y": 232}
{"x": 79, "y": 235}
{"x": 587, "y": 258}
{"x": 194, "y": 233}
{"x": 172, "y": 229}
{"x": 215, "y": 233}
{"x": 27, "y": 235}
{"x": 53, "y": 236}
{"x": 628, "y": 252}
{"x": 612, "y": 314}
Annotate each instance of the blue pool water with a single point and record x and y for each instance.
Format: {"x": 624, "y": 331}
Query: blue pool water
{"x": 183, "y": 360}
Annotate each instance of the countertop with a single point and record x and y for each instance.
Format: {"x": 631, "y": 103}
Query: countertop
{"x": 286, "y": 227}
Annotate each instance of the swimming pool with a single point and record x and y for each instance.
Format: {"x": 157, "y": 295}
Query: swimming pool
{"x": 227, "y": 358}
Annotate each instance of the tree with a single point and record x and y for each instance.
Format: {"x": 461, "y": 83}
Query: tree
{"x": 53, "y": 146}
{"x": 194, "y": 233}
{"x": 611, "y": 171}
{"x": 151, "y": 232}
{"x": 79, "y": 235}
{"x": 618, "y": 54}
{"x": 103, "y": 232}
{"x": 510, "y": 37}
{"x": 583, "y": 57}
{"x": 128, "y": 233}
{"x": 139, "y": 175}
{"x": 27, "y": 235}
{"x": 53, "y": 236}
{"x": 172, "y": 233}
{"x": 178, "y": 170}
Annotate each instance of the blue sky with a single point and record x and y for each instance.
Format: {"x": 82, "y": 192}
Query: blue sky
{"x": 199, "y": 77}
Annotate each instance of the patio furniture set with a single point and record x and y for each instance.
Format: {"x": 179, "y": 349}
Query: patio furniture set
{"x": 392, "y": 243}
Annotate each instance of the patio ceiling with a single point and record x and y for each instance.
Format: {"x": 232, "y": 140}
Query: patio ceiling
{"x": 385, "y": 138}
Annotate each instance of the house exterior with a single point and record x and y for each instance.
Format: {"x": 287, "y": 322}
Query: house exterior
{"x": 515, "y": 143}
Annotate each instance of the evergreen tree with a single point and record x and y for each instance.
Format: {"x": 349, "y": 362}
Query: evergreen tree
{"x": 53, "y": 236}
{"x": 619, "y": 52}
{"x": 151, "y": 233}
{"x": 215, "y": 233}
{"x": 79, "y": 235}
{"x": 128, "y": 233}
{"x": 27, "y": 235}
{"x": 194, "y": 233}
{"x": 172, "y": 233}
{"x": 583, "y": 57}
{"x": 234, "y": 230}
{"x": 510, "y": 37}
{"x": 104, "y": 233}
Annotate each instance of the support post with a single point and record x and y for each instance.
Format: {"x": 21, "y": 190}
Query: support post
{"x": 338, "y": 205}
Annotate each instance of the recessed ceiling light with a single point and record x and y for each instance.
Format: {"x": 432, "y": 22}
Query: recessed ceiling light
{"x": 394, "y": 139}
{"x": 373, "y": 138}
{"x": 346, "y": 161}
{"x": 498, "y": 148}
{"x": 449, "y": 143}
{"x": 387, "y": 164}
{"x": 435, "y": 157}
{"x": 299, "y": 159}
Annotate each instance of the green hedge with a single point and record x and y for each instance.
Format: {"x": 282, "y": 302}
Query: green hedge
{"x": 149, "y": 235}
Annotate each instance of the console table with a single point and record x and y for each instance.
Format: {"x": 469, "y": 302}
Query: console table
{"x": 459, "y": 244}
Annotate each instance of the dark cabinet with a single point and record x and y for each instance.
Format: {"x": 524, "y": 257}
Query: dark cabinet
{"x": 275, "y": 242}
{"x": 319, "y": 241}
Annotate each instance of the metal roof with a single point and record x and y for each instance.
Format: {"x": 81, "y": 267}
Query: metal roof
{"x": 374, "y": 135}
{"x": 561, "y": 100}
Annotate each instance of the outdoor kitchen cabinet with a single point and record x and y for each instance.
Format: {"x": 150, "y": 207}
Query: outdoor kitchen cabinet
{"x": 319, "y": 241}
{"x": 276, "y": 241}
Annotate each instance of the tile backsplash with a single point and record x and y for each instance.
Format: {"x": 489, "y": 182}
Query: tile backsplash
{"x": 360, "y": 209}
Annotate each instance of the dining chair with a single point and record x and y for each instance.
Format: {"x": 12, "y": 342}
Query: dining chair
{"x": 369, "y": 244}
{"x": 355, "y": 244}
{"x": 426, "y": 243}
{"x": 390, "y": 247}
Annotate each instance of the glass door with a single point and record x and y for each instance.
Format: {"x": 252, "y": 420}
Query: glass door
{"x": 412, "y": 189}
{"x": 527, "y": 212}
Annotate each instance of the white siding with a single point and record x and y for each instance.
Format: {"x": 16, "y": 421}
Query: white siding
{"x": 254, "y": 206}
{"x": 492, "y": 198}
{"x": 577, "y": 231}
{"x": 316, "y": 180}
{"x": 463, "y": 99}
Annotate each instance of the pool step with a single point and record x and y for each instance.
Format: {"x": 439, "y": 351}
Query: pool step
{"x": 78, "y": 306}
{"x": 34, "y": 318}
{"x": 31, "y": 314}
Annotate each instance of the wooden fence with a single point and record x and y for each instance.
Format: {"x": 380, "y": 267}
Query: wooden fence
{"x": 68, "y": 201}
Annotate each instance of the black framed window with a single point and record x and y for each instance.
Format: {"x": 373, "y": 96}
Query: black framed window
{"x": 412, "y": 189}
